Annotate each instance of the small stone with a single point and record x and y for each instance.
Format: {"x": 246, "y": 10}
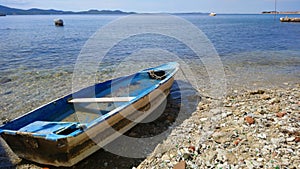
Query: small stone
{"x": 249, "y": 120}
{"x": 180, "y": 165}
{"x": 260, "y": 159}
{"x": 221, "y": 137}
{"x": 290, "y": 139}
{"x": 158, "y": 155}
{"x": 262, "y": 135}
{"x": 265, "y": 97}
{"x": 274, "y": 100}
{"x": 249, "y": 164}
{"x": 186, "y": 156}
{"x": 192, "y": 148}
{"x": 290, "y": 150}
{"x": 257, "y": 92}
{"x": 280, "y": 114}
{"x": 297, "y": 139}
{"x": 237, "y": 141}
{"x": 229, "y": 113}
{"x": 165, "y": 157}
{"x": 285, "y": 161}
{"x": 277, "y": 140}
{"x": 203, "y": 119}
{"x": 274, "y": 154}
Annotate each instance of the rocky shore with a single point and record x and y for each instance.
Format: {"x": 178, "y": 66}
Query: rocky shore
{"x": 246, "y": 129}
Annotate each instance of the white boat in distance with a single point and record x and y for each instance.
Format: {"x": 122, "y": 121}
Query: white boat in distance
{"x": 212, "y": 14}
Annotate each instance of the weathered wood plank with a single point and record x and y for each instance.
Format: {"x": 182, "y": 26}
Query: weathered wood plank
{"x": 101, "y": 100}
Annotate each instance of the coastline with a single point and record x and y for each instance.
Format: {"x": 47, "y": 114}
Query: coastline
{"x": 209, "y": 133}
{"x": 280, "y": 12}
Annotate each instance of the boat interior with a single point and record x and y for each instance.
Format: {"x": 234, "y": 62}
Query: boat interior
{"x": 70, "y": 115}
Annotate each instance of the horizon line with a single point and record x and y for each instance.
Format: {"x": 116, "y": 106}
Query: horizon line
{"x": 161, "y": 12}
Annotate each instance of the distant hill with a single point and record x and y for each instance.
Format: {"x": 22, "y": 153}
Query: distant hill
{"x": 35, "y": 11}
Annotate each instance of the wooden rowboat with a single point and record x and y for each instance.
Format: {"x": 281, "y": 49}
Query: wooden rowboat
{"x": 67, "y": 130}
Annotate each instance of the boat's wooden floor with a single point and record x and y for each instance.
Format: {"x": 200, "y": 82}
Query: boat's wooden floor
{"x": 82, "y": 117}
{"x": 87, "y": 112}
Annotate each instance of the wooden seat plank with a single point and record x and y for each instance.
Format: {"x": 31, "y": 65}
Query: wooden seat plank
{"x": 101, "y": 100}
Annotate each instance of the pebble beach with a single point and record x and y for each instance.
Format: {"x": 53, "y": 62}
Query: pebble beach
{"x": 248, "y": 129}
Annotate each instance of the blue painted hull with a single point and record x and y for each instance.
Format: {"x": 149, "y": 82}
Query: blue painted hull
{"x": 61, "y": 133}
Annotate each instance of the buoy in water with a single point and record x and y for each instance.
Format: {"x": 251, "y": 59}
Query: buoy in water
{"x": 59, "y": 22}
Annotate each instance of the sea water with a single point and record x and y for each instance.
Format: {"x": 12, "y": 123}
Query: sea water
{"x": 34, "y": 42}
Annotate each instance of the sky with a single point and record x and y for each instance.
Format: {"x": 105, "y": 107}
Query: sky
{"x": 218, "y": 6}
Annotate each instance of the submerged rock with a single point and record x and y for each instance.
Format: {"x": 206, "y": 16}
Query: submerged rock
{"x": 4, "y": 80}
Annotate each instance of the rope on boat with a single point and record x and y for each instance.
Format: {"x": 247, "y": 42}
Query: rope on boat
{"x": 158, "y": 75}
